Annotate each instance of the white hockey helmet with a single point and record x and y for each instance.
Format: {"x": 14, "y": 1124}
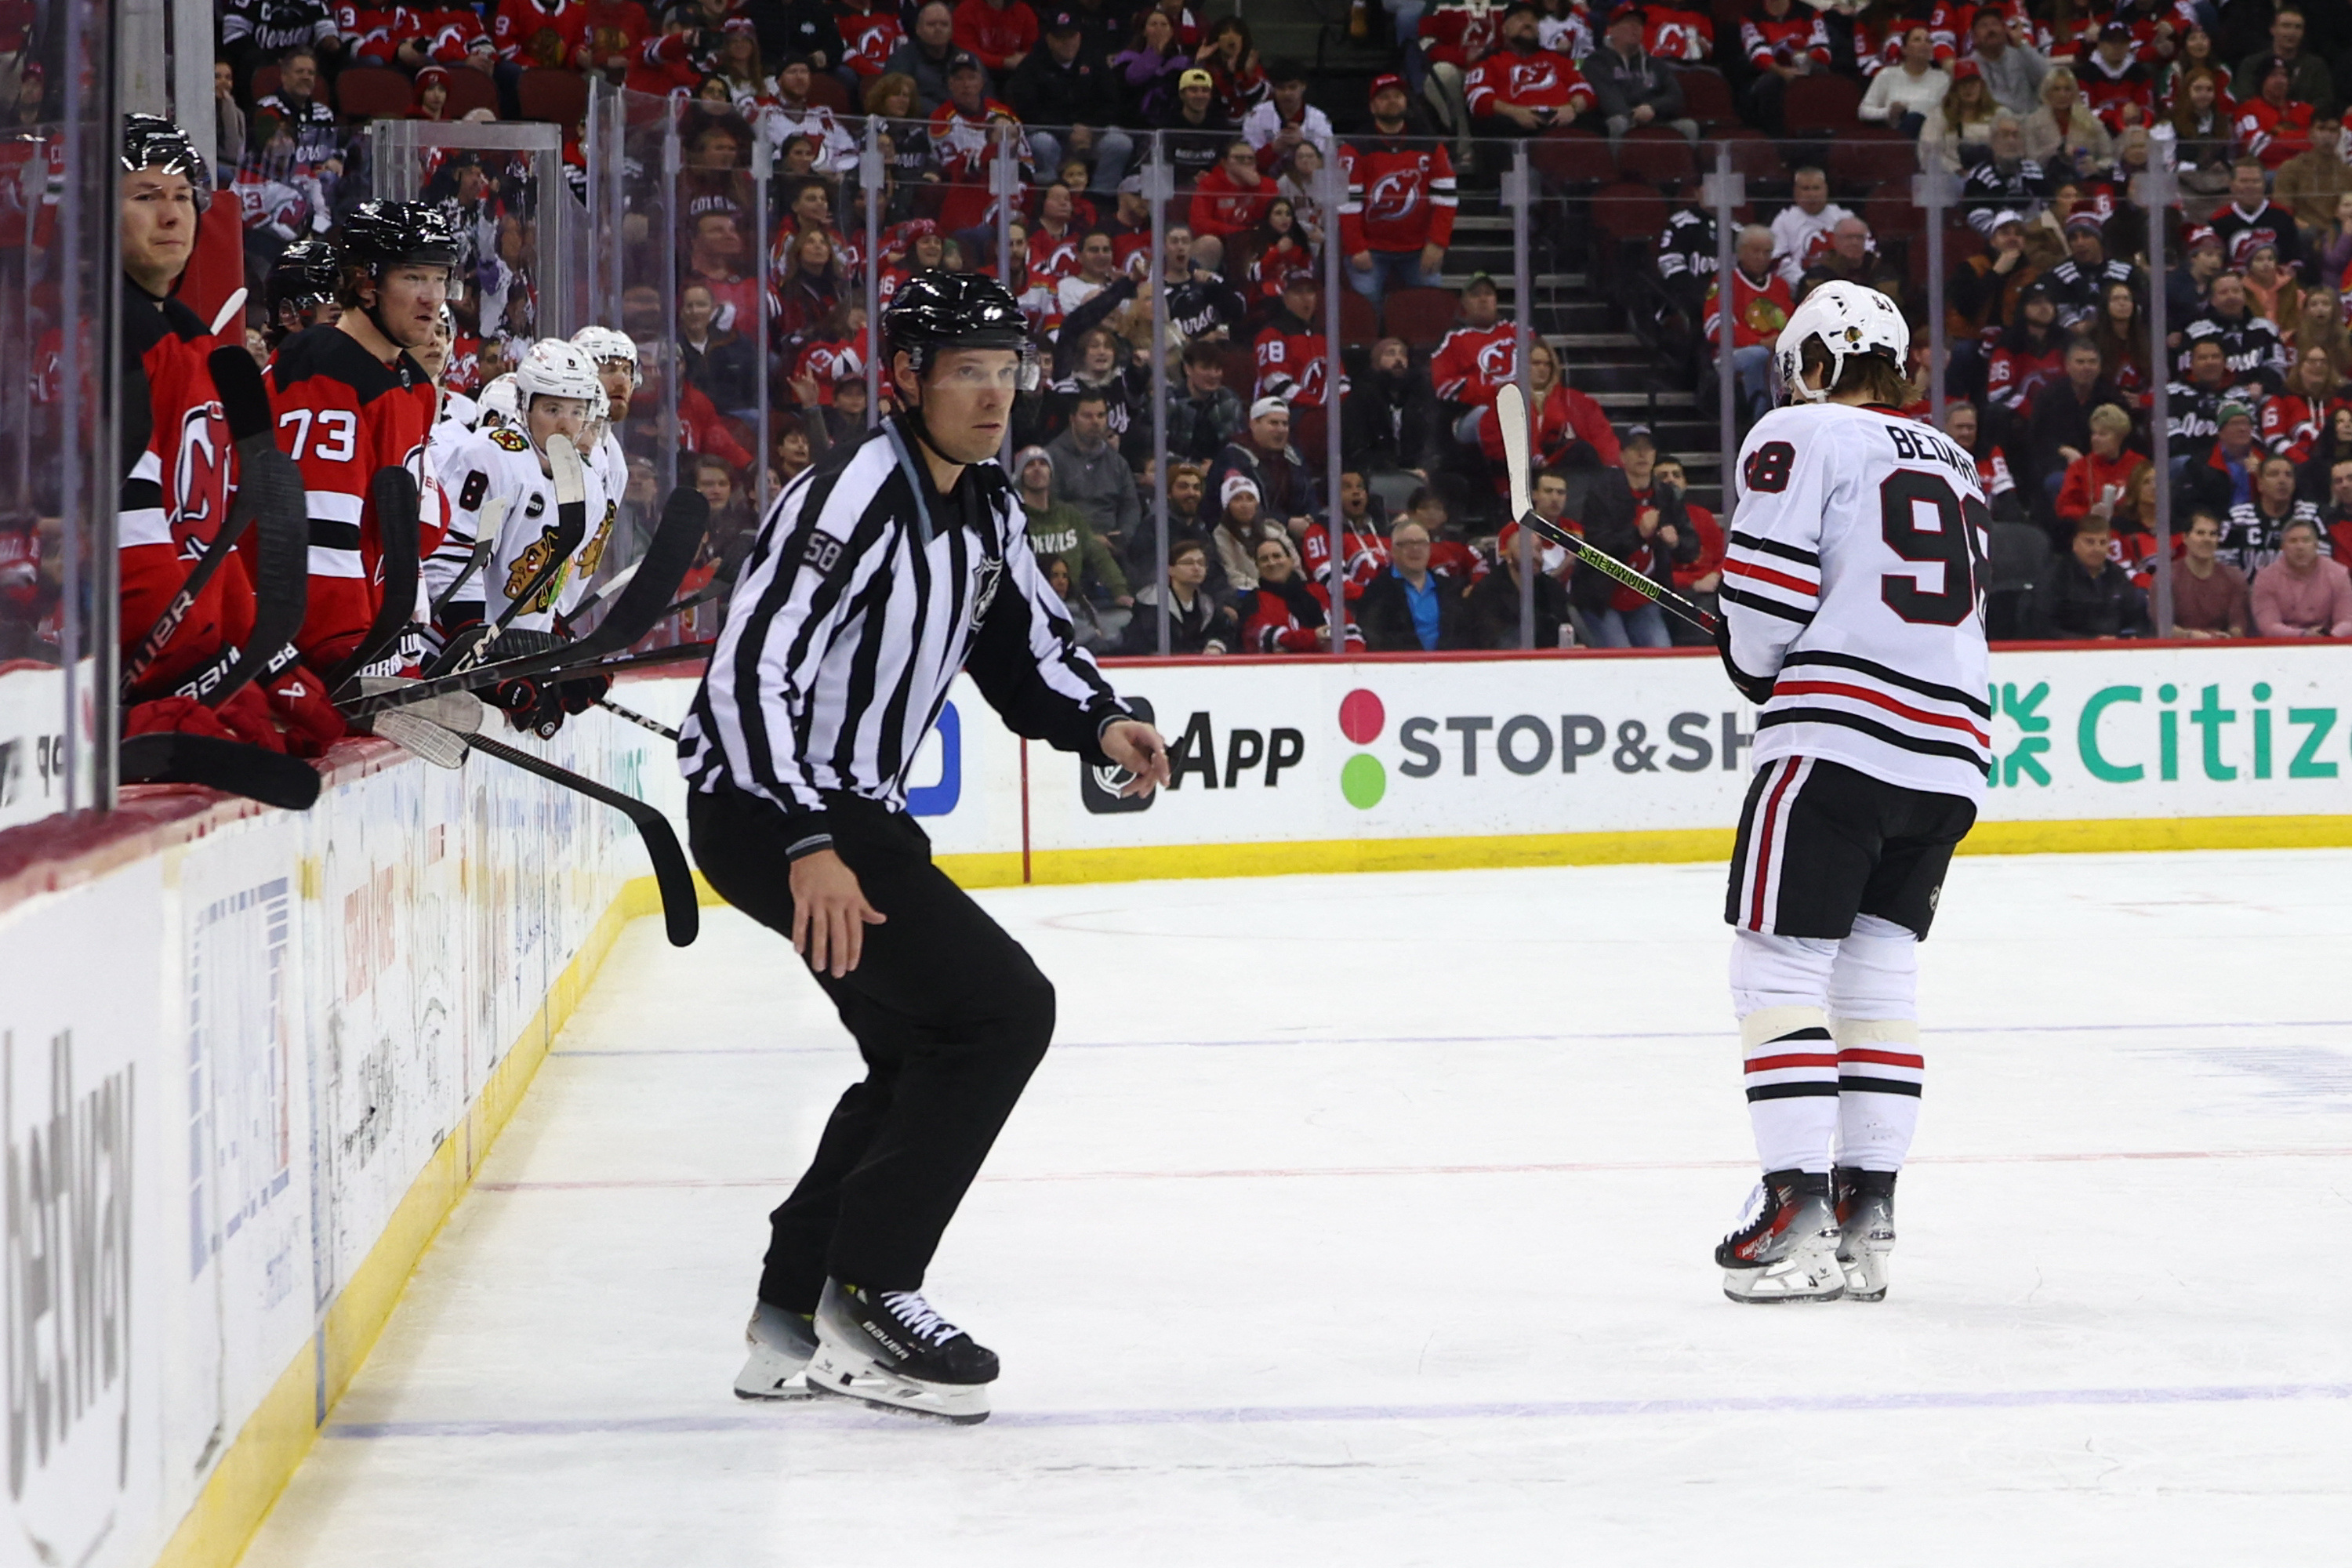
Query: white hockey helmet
{"x": 554, "y": 368}
{"x": 1849, "y": 319}
{"x": 603, "y": 345}
{"x": 501, "y": 404}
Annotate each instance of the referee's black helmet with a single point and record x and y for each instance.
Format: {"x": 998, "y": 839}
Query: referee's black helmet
{"x": 935, "y": 309}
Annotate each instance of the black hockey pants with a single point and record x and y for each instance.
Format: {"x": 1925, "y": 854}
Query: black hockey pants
{"x": 950, "y": 1013}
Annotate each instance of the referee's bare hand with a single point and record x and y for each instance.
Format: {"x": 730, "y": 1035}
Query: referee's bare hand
{"x": 1140, "y": 750}
{"x": 830, "y": 913}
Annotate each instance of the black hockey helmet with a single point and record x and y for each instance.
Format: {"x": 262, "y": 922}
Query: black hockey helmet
{"x": 938, "y": 310}
{"x": 151, "y": 141}
{"x": 378, "y": 234}
{"x": 307, "y": 273}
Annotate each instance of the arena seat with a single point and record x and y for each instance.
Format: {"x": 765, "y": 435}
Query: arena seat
{"x": 553, "y": 94}
{"x": 1814, "y": 104}
{"x": 1421, "y": 317}
{"x": 1656, "y": 154}
{"x": 1571, "y": 159}
{"x": 469, "y": 89}
{"x": 373, "y": 92}
{"x": 1706, "y": 97}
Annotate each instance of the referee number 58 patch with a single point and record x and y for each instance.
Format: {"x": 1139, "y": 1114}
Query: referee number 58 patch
{"x": 822, "y": 552}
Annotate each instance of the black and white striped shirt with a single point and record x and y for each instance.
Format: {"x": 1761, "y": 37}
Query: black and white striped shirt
{"x": 864, "y": 593}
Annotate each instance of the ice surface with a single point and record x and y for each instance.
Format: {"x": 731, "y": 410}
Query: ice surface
{"x": 1366, "y": 1220}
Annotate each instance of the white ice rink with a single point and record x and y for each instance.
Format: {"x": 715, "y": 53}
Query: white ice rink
{"x": 1366, "y": 1220}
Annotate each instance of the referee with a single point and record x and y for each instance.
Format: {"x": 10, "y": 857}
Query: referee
{"x": 877, "y": 576}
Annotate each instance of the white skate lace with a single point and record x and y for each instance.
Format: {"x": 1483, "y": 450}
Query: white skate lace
{"x": 920, "y": 1316}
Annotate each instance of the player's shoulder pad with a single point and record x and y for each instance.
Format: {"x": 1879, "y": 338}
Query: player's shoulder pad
{"x": 510, "y": 440}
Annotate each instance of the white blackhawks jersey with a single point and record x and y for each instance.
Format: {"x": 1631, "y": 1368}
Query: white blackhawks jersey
{"x": 609, "y": 463}
{"x": 493, "y": 479}
{"x": 1852, "y": 576}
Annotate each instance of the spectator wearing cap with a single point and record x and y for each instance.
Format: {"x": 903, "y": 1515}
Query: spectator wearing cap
{"x": 1241, "y": 524}
{"x": 2029, "y": 353}
{"x": 2309, "y": 184}
{"x": 2307, "y": 75}
{"x": 2251, "y": 211}
{"x": 963, "y": 132}
{"x": 1801, "y": 229}
{"x": 2012, "y": 71}
{"x": 1490, "y": 611}
{"x": 2189, "y": 287}
{"x": 1277, "y": 474}
{"x": 1274, "y": 127}
{"x": 2273, "y": 126}
{"x": 1199, "y": 621}
{"x": 1294, "y": 357}
{"x": 2080, "y": 283}
{"x": 1961, "y": 127}
{"x": 2222, "y": 475}
{"x": 928, "y": 52}
{"x": 1060, "y": 530}
{"x": 1197, "y": 132}
{"x": 998, "y": 33}
{"x": 1065, "y": 87}
{"x": 1984, "y": 292}
{"x": 1398, "y": 216}
{"x": 1391, "y": 421}
{"x": 1089, "y": 473}
{"x": 2118, "y": 88}
{"x": 1410, "y": 606}
{"x": 1524, "y": 89}
{"x": 1851, "y": 257}
{"x": 805, "y": 28}
{"x": 1904, "y": 97}
{"x": 1760, "y": 307}
{"x": 1477, "y": 358}
{"x": 1231, "y": 199}
{"x": 1145, "y": 73}
{"x": 2005, "y": 179}
{"x": 1631, "y": 89}
{"x": 1204, "y": 413}
{"x": 2062, "y": 134}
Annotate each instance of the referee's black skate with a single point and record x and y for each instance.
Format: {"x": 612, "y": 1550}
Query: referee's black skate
{"x": 892, "y": 1349}
{"x": 1866, "y": 1211}
{"x": 1786, "y": 1245}
{"x": 780, "y": 1344}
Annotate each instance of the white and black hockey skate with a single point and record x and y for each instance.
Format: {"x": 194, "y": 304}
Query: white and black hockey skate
{"x": 1866, "y": 1211}
{"x": 892, "y": 1349}
{"x": 781, "y": 1344}
{"x": 1785, "y": 1248}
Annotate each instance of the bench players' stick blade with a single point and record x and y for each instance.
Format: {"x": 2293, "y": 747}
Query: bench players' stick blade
{"x": 230, "y": 766}
{"x": 458, "y": 711}
{"x": 398, "y": 527}
{"x": 421, "y": 738}
{"x": 1511, "y": 418}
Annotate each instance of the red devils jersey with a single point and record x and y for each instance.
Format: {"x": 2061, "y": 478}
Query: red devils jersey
{"x": 342, "y": 414}
{"x": 1768, "y": 43}
{"x": 827, "y": 363}
{"x": 1540, "y": 79}
{"x": 1474, "y": 363}
{"x": 2274, "y": 135}
{"x": 368, "y": 31}
{"x": 1400, "y": 198}
{"x": 869, "y": 37}
{"x": 175, "y": 488}
{"x": 1293, "y": 366}
{"x": 540, "y": 32}
{"x": 448, "y": 35}
{"x": 1685, "y": 36}
{"x": 1052, "y": 257}
{"x": 1368, "y": 557}
{"x": 2290, "y": 423}
{"x": 1458, "y": 34}
{"x": 2110, "y": 91}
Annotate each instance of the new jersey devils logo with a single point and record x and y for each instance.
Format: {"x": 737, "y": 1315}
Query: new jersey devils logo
{"x": 199, "y": 478}
{"x": 1528, "y": 78}
{"x": 1498, "y": 361}
{"x": 1394, "y": 195}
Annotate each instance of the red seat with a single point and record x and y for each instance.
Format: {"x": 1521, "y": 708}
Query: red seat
{"x": 1859, "y": 159}
{"x": 1706, "y": 97}
{"x": 265, "y": 81}
{"x": 827, "y": 92}
{"x": 1358, "y": 321}
{"x": 373, "y": 92}
{"x": 1889, "y": 210}
{"x": 1572, "y": 157}
{"x": 1819, "y": 103}
{"x": 1754, "y": 156}
{"x": 552, "y": 94}
{"x": 1421, "y": 317}
{"x": 1629, "y": 211}
{"x": 1241, "y": 369}
{"x": 469, "y": 89}
{"x": 1657, "y": 155}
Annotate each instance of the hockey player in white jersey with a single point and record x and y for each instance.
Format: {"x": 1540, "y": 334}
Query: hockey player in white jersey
{"x": 503, "y": 495}
{"x": 615, "y": 355}
{"x": 1852, "y": 621}
{"x": 499, "y": 406}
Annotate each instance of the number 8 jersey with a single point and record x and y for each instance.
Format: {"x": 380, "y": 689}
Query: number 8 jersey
{"x": 1852, "y": 579}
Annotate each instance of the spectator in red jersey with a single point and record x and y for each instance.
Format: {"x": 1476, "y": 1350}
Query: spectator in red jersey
{"x": 2292, "y": 421}
{"x": 1285, "y": 613}
{"x": 1523, "y": 89}
{"x": 2336, "y": 517}
{"x": 546, "y": 32}
{"x": 1363, "y": 543}
{"x": 1760, "y": 307}
{"x": 615, "y": 33}
{"x": 1280, "y": 248}
{"x": 2117, "y": 86}
{"x": 2031, "y": 353}
{"x": 1231, "y": 199}
{"x": 998, "y": 33}
{"x": 813, "y": 283}
{"x": 1294, "y": 358}
{"x": 964, "y": 132}
{"x": 2308, "y": 78}
{"x": 429, "y": 94}
{"x": 2273, "y": 126}
{"x": 1476, "y": 359}
{"x": 870, "y": 35}
{"x": 1398, "y": 218}
{"x": 1053, "y": 242}
{"x": 1570, "y": 430}
{"x": 1781, "y": 46}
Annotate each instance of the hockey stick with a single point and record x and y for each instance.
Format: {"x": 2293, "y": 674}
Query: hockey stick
{"x": 230, "y": 766}
{"x": 641, "y": 721}
{"x": 397, "y": 528}
{"x": 1511, "y": 415}
{"x": 167, "y": 625}
{"x": 640, "y": 607}
{"x": 613, "y": 584}
{"x": 681, "y": 911}
{"x": 268, "y": 480}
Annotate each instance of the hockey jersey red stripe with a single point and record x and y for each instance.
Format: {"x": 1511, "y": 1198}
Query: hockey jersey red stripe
{"x": 1878, "y": 700}
{"x": 1777, "y": 579}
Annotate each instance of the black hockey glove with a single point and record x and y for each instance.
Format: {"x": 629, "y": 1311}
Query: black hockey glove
{"x": 1756, "y": 688}
{"x": 583, "y": 692}
{"x": 530, "y": 701}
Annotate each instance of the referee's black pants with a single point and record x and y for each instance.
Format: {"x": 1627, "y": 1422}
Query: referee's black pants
{"x": 950, "y": 1013}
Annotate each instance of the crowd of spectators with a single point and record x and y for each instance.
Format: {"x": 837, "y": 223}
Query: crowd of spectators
{"x": 2043, "y": 110}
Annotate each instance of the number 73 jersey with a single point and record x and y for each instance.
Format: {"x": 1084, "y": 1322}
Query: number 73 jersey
{"x": 1853, "y": 577}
